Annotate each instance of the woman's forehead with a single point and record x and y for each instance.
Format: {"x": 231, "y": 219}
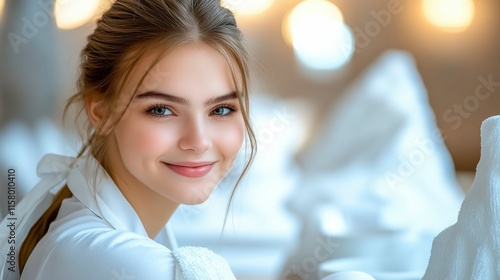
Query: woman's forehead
{"x": 187, "y": 68}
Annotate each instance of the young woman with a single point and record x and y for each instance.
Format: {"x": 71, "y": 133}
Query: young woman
{"x": 163, "y": 89}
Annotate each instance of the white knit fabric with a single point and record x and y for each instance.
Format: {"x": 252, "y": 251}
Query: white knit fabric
{"x": 470, "y": 249}
{"x": 197, "y": 263}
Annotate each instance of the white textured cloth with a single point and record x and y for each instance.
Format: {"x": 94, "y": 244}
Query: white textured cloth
{"x": 97, "y": 234}
{"x": 470, "y": 249}
{"x": 192, "y": 264}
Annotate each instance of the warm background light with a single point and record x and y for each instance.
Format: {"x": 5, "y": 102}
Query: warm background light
{"x": 450, "y": 15}
{"x": 318, "y": 35}
{"x": 2, "y": 3}
{"x": 248, "y": 7}
{"x": 74, "y": 13}
{"x": 304, "y": 11}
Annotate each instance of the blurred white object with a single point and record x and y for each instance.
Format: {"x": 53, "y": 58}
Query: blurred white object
{"x": 470, "y": 249}
{"x": 378, "y": 165}
{"x": 349, "y": 275}
{"x": 384, "y": 133}
{"x": 379, "y": 268}
{"x": 22, "y": 147}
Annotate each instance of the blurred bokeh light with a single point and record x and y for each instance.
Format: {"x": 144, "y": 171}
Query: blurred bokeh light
{"x": 71, "y": 14}
{"x": 303, "y": 12}
{"x": 246, "y": 7}
{"x": 2, "y": 3}
{"x": 318, "y": 35}
{"x": 449, "y": 15}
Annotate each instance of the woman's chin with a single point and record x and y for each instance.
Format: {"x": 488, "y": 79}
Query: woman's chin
{"x": 195, "y": 198}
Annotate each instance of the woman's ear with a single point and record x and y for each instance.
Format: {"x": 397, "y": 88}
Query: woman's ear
{"x": 95, "y": 111}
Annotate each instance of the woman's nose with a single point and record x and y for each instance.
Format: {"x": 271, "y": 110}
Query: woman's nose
{"x": 195, "y": 136}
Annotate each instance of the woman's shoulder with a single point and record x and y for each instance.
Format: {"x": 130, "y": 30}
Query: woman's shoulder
{"x": 83, "y": 246}
{"x": 99, "y": 253}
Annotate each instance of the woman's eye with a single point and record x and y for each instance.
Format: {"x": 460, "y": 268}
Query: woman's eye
{"x": 159, "y": 111}
{"x": 223, "y": 111}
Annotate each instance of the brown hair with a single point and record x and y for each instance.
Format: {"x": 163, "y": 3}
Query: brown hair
{"x": 123, "y": 35}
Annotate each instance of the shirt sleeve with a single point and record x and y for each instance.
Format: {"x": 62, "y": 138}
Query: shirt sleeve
{"x": 106, "y": 255}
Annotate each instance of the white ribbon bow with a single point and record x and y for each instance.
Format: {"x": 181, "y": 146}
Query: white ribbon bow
{"x": 53, "y": 171}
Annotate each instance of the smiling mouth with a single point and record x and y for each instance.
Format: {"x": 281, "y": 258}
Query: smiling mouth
{"x": 191, "y": 169}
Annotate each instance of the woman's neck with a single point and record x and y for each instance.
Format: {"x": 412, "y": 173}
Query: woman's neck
{"x": 153, "y": 210}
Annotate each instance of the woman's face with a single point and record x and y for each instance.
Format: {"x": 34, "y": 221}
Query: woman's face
{"x": 182, "y": 130}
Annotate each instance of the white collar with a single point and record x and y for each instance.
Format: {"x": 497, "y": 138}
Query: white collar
{"x": 104, "y": 199}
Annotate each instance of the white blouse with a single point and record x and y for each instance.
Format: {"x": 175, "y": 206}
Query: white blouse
{"x": 97, "y": 234}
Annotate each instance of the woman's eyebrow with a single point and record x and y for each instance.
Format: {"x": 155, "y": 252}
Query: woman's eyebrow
{"x": 181, "y": 100}
{"x": 215, "y": 100}
{"x": 164, "y": 96}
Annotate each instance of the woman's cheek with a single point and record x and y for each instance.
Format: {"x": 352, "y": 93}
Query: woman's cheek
{"x": 230, "y": 139}
{"x": 152, "y": 139}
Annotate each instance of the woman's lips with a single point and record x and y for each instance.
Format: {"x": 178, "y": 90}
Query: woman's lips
{"x": 191, "y": 169}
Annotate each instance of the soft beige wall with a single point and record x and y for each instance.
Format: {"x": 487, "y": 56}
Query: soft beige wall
{"x": 450, "y": 63}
